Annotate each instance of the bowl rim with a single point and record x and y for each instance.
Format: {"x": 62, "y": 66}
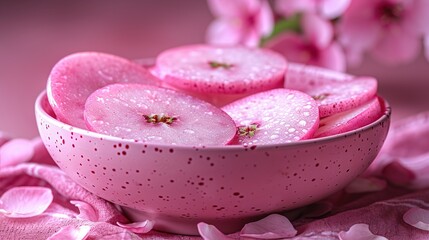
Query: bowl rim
{"x": 321, "y": 140}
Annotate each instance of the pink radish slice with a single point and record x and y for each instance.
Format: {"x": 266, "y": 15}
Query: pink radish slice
{"x": 274, "y": 116}
{"x": 350, "y": 120}
{"x": 226, "y": 70}
{"x": 304, "y": 77}
{"x": 157, "y": 115}
{"x": 76, "y": 76}
{"x": 342, "y": 96}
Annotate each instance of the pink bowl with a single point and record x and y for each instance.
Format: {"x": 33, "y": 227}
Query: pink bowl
{"x": 227, "y": 186}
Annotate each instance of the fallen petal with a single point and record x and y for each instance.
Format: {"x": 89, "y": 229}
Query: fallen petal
{"x": 359, "y": 231}
{"x": 418, "y": 218}
{"x": 210, "y": 232}
{"x": 275, "y": 226}
{"x": 24, "y": 202}
{"x": 86, "y": 211}
{"x": 138, "y": 227}
{"x": 363, "y": 185}
{"x": 16, "y": 151}
{"x": 71, "y": 232}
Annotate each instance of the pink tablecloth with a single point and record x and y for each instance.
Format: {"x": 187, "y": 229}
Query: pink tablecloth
{"x": 390, "y": 201}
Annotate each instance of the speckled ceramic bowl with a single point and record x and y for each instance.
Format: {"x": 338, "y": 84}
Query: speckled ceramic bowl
{"x": 227, "y": 186}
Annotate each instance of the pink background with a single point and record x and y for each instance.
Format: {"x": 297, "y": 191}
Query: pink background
{"x": 34, "y": 35}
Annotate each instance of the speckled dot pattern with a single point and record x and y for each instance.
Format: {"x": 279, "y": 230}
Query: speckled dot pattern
{"x": 342, "y": 96}
{"x": 179, "y": 186}
{"x": 76, "y": 76}
{"x": 281, "y": 116}
{"x": 211, "y": 69}
{"x": 156, "y": 115}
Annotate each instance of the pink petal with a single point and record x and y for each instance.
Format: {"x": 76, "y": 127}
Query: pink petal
{"x": 396, "y": 47}
{"x": 16, "y": 151}
{"x": 86, "y": 211}
{"x": 3, "y": 139}
{"x": 333, "y": 8}
{"x": 138, "y": 227}
{"x": 292, "y": 46}
{"x": 210, "y": 232}
{"x": 398, "y": 174}
{"x": 224, "y": 32}
{"x": 332, "y": 57}
{"x": 264, "y": 19}
{"x": 232, "y": 9}
{"x": 362, "y": 185}
{"x": 290, "y": 7}
{"x": 358, "y": 30}
{"x": 251, "y": 38}
{"x": 71, "y": 232}
{"x": 359, "y": 232}
{"x": 24, "y": 202}
{"x": 317, "y": 31}
{"x": 416, "y": 18}
{"x": 274, "y": 226}
{"x": 418, "y": 218}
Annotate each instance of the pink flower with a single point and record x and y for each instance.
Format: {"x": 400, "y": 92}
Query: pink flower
{"x": 326, "y": 8}
{"x": 389, "y": 29}
{"x": 239, "y": 22}
{"x": 315, "y": 46}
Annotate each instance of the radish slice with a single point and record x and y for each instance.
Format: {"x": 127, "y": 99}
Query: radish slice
{"x": 226, "y": 70}
{"x": 350, "y": 120}
{"x": 157, "y": 115}
{"x": 274, "y": 116}
{"x": 274, "y": 226}
{"x": 304, "y": 77}
{"x": 76, "y": 76}
{"x": 342, "y": 96}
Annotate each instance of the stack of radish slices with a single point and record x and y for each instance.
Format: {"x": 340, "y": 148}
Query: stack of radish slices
{"x": 206, "y": 95}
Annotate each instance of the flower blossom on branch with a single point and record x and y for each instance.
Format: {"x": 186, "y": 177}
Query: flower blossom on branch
{"x": 242, "y": 22}
{"x": 314, "y": 44}
{"x": 329, "y": 9}
{"x": 390, "y": 30}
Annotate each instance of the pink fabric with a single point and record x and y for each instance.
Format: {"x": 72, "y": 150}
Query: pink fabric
{"x": 390, "y": 201}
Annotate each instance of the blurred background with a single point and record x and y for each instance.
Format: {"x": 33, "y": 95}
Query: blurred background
{"x": 34, "y": 35}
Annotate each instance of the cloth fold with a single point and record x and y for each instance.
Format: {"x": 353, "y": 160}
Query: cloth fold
{"x": 389, "y": 201}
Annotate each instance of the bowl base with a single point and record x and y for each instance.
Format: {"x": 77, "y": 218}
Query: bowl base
{"x": 184, "y": 226}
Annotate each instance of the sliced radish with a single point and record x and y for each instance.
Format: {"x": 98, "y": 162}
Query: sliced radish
{"x": 225, "y": 70}
{"x": 342, "y": 96}
{"x": 304, "y": 77}
{"x": 274, "y": 116}
{"x": 157, "y": 115}
{"x": 76, "y": 76}
{"x": 350, "y": 120}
